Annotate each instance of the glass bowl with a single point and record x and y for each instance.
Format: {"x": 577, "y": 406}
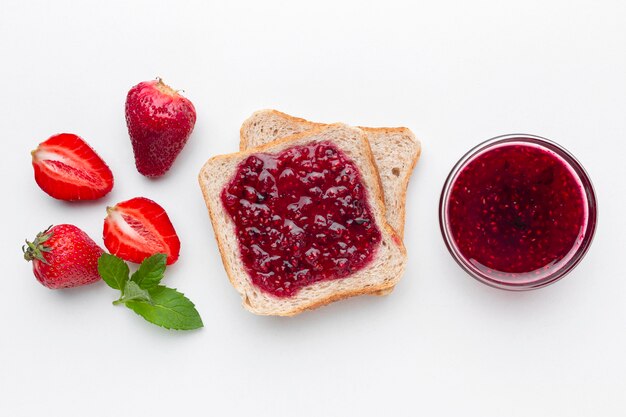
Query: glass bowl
{"x": 518, "y": 281}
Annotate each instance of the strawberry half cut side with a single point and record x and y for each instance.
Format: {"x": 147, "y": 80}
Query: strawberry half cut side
{"x": 138, "y": 228}
{"x": 67, "y": 168}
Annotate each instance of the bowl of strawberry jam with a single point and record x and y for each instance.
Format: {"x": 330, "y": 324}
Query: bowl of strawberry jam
{"x": 518, "y": 212}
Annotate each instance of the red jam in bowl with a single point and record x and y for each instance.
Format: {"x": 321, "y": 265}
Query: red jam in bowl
{"x": 301, "y": 216}
{"x": 516, "y": 212}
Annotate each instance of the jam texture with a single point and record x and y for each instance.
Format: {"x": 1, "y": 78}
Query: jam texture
{"x": 301, "y": 216}
{"x": 517, "y": 209}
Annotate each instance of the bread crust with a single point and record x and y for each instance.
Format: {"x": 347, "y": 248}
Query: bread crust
{"x": 376, "y": 195}
{"x": 244, "y": 143}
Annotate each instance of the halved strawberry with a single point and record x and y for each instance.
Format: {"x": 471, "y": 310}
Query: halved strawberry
{"x": 67, "y": 168}
{"x": 138, "y": 228}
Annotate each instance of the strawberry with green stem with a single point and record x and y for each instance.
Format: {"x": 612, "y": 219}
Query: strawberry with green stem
{"x": 63, "y": 256}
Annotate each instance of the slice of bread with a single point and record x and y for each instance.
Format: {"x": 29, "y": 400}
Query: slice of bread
{"x": 396, "y": 151}
{"x": 380, "y": 275}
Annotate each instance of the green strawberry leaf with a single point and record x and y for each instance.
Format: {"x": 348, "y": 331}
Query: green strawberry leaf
{"x": 113, "y": 271}
{"x": 169, "y": 308}
{"x": 151, "y": 271}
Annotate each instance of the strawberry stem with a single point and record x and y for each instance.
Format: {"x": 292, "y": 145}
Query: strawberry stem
{"x": 34, "y": 250}
{"x": 164, "y": 88}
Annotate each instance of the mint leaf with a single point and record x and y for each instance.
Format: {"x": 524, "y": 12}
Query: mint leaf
{"x": 132, "y": 292}
{"x": 169, "y": 308}
{"x": 113, "y": 271}
{"x": 150, "y": 271}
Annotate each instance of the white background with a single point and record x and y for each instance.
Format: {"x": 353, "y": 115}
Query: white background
{"x": 442, "y": 344}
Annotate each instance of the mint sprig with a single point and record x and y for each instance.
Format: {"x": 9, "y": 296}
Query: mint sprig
{"x": 142, "y": 293}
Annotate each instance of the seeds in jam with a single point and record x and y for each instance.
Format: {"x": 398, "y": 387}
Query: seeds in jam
{"x": 301, "y": 216}
{"x": 517, "y": 209}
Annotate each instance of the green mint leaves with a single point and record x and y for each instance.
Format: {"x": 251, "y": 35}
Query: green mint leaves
{"x": 113, "y": 271}
{"x": 133, "y": 292}
{"x": 142, "y": 293}
{"x": 150, "y": 271}
{"x": 169, "y": 309}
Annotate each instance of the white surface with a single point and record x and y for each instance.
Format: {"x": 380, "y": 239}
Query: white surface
{"x": 442, "y": 344}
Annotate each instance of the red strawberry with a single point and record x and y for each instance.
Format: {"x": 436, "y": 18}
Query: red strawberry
{"x": 63, "y": 256}
{"x": 138, "y": 228}
{"x": 67, "y": 168}
{"x": 159, "y": 123}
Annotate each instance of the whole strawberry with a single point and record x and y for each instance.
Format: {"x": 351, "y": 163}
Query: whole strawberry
{"x": 63, "y": 256}
{"x": 159, "y": 122}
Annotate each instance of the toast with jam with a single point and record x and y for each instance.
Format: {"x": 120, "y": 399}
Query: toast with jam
{"x": 300, "y": 222}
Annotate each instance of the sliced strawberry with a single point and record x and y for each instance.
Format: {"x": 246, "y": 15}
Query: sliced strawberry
{"x": 138, "y": 228}
{"x": 67, "y": 168}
